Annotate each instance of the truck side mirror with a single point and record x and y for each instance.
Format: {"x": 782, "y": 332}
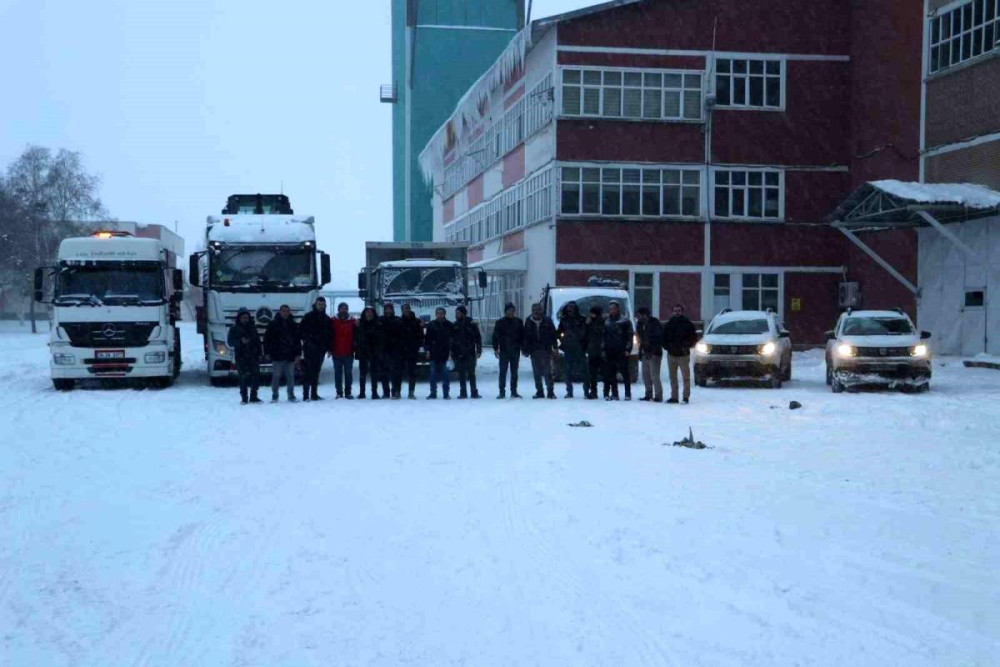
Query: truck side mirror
{"x": 362, "y": 281}
{"x": 194, "y": 271}
{"x": 39, "y": 285}
{"x": 178, "y": 278}
{"x": 483, "y": 280}
{"x": 324, "y": 263}
{"x": 924, "y": 335}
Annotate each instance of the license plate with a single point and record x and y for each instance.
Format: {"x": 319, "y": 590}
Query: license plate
{"x": 109, "y": 354}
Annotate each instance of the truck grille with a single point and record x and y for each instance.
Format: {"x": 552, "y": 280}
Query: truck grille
{"x": 109, "y": 334}
{"x": 883, "y": 352}
{"x": 262, "y": 317}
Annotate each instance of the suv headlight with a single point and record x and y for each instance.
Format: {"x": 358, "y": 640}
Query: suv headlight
{"x": 155, "y": 357}
{"x": 61, "y": 359}
{"x": 221, "y": 348}
{"x": 918, "y": 351}
{"x": 702, "y": 348}
{"x": 845, "y": 350}
{"x": 768, "y": 348}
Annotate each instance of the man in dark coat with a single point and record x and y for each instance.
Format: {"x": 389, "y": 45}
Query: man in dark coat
{"x": 618, "y": 335}
{"x": 284, "y": 348}
{"x": 572, "y": 335}
{"x": 595, "y": 353}
{"x": 437, "y": 342}
{"x": 466, "y": 348}
{"x": 508, "y": 340}
{"x": 539, "y": 346}
{"x": 391, "y": 361}
{"x": 244, "y": 341}
{"x": 413, "y": 340}
{"x": 367, "y": 349}
{"x": 650, "y": 334}
{"x": 679, "y": 336}
{"x": 316, "y": 332}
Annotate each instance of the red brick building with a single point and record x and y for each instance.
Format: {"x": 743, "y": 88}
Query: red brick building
{"x": 693, "y": 148}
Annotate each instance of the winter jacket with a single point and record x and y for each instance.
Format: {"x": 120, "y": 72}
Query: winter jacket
{"x": 679, "y": 336}
{"x": 595, "y": 335}
{"x": 366, "y": 338}
{"x": 391, "y": 336}
{"x": 618, "y": 335}
{"x": 413, "y": 336}
{"x": 572, "y": 331}
{"x": 281, "y": 339}
{"x": 342, "y": 336}
{"x": 245, "y": 353}
{"x": 315, "y": 332}
{"x": 437, "y": 339}
{"x": 539, "y": 336}
{"x": 466, "y": 339}
{"x": 650, "y": 335}
{"x": 508, "y": 335}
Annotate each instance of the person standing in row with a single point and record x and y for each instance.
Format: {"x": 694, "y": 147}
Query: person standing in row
{"x": 466, "y": 348}
{"x": 437, "y": 342}
{"x": 595, "y": 353}
{"x": 391, "y": 344}
{"x": 413, "y": 339}
{"x": 572, "y": 335}
{"x": 539, "y": 345}
{"x": 342, "y": 350}
{"x": 650, "y": 334}
{"x": 679, "y": 336}
{"x": 284, "y": 347}
{"x": 508, "y": 341}
{"x": 367, "y": 335}
{"x": 244, "y": 341}
{"x": 618, "y": 334}
{"x": 315, "y": 331}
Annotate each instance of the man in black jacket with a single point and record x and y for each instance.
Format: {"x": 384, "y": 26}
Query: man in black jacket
{"x": 650, "y": 334}
{"x": 413, "y": 340}
{"x": 679, "y": 336}
{"x": 618, "y": 334}
{"x": 244, "y": 341}
{"x": 539, "y": 345}
{"x": 366, "y": 343}
{"x": 466, "y": 348}
{"x": 315, "y": 331}
{"x": 508, "y": 339}
{"x": 437, "y": 342}
{"x": 595, "y": 353}
{"x": 284, "y": 347}
{"x": 572, "y": 335}
{"x": 391, "y": 363}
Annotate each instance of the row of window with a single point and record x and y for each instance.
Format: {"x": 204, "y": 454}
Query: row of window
{"x": 756, "y": 291}
{"x": 963, "y": 33}
{"x": 524, "y": 204}
{"x": 618, "y": 93}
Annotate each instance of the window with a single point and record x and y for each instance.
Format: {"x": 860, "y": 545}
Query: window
{"x": 523, "y": 204}
{"x": 975, "y": 298}
{"x": 631, "y": 192}
{"x": 639, "y": 94}
{"x": 720, "y": 294}
{"x": 749, "y": 83}
{"x": 642, "y": 291}
{"x": 755, "y": 195}
{"x": 966, "y": 32}
{"x": 760, "y": 291}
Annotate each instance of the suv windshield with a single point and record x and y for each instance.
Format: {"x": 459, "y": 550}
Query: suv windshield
{"x": 118, "y": 285}
{"x": 741, "y": 327}
{"x": 263, "y": 267}
{"x": 877, "y": 326}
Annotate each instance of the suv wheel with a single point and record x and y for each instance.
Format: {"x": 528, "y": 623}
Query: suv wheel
{"x": 836, "y": 385}
{"x": 787, "y": 377}
{"x": 776, "y": 373}
{"x": 699, "y": 378}
{"x": 829, "y": 375}
{"x": 62, "y": 384}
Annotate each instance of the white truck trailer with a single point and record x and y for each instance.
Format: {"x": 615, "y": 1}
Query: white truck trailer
{"x": 257, "y": 255}
{"x": 115, "y": 305}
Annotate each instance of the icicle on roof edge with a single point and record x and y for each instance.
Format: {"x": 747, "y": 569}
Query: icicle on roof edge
{"x": 512, "y": 59}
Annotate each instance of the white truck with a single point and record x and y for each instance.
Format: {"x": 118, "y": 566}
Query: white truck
{"x": 115, "y": 305}
{"x": 257, "y": 255}
{"x": 424, "y": 275}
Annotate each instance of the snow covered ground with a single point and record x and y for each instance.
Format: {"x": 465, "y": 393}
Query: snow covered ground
{"x": 177, "y": 527}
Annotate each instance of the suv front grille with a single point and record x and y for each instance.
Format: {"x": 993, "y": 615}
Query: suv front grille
{"x": 109, "y": 334}
{"x": 883, "y": 352}
{"x": 734, "y": 349}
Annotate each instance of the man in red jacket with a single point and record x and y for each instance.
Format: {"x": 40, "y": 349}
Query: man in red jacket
{"x": 342, "y": 350}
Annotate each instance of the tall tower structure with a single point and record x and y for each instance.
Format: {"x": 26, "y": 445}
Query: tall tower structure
{"x": 439, "y": 49}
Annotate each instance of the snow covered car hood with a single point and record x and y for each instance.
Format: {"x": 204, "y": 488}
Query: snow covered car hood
{"x": 737, "y": 339}
{"x": 880, "y": 341}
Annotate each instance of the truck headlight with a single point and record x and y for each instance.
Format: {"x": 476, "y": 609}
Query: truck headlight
{"x": 919, "y": 351}
{"x": 220, "y": 347}
{"x": 845, "y": 350}
{"x": 61, "y": 359}
{"x": 768, "y": 348}
{"x": 155, "y": 357}
{"x": 702, "y": 348}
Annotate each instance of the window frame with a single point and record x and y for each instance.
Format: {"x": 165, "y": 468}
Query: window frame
{"x": 746, "y": 186}
{"x": 604, "y": 183}
{"x": 763, "y": 58}
{"x": 759, "y": 289}
{"x": 644, "y": 74}
{"x": 958, "y": 34}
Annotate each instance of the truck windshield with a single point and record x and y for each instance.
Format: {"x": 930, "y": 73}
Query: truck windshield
{"x": 113, "y": 285}
{"x": 422, "y": 280}
{"x": 255, "y": 267}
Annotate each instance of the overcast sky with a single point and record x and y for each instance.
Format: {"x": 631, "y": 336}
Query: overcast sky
{"x": 178, "y": 103}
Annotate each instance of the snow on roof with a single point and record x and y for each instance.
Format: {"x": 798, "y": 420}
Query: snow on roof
{"x": 735, "y": 315}
{"x": 261, "y": 229}
{"x": 877, "y": 313}
{"x": 964, "y": 194}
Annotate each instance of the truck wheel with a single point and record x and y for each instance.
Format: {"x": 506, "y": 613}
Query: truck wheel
{"x": 63, "y": 385}
{"x": 177, "y": 353}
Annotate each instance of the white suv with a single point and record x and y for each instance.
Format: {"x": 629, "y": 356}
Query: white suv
{"x": 877, "y": 347}
{"x": 744, "y": 344}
